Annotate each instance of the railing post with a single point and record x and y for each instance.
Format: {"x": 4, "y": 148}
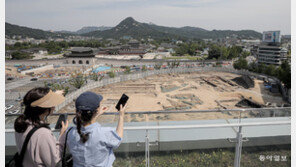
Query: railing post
{"x": 238, "y": 148}
{"x": 147, "y": 152}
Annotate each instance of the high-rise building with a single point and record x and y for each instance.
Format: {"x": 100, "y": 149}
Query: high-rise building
{"x": 270, "y": 51}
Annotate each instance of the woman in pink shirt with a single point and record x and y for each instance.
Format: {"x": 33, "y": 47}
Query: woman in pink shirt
{"x": 43, "y": 149}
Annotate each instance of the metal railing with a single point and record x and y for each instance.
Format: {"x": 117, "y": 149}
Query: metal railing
{"x": 239, "y": 136}
{"x": 181, "y": 111}
{"x": 238, "y": 140}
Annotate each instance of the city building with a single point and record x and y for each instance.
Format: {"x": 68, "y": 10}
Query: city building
{"x": 134, "y": 43}
{"x": 270, "y": 51}
{"x": 80, "y": 55}
{"x": 271, "y": 54}
{"x": 122, "y": 50}
{"x": 8, "y": 54}
{"x": 41, "y": 51}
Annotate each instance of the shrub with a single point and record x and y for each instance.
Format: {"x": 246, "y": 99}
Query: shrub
{"x": 111, "y": 74}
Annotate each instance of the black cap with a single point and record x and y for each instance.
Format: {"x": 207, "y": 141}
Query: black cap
{"x": 88, "y": 101}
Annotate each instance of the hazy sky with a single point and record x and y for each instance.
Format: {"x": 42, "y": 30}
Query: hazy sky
{"x": 259, "y": 15}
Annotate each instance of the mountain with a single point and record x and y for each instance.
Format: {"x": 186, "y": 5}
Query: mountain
{"x": 135, "y": 29}
{"x": 84, "y": 30}
{"x": 131, "y": 27}
{"x": 65, "y": 32}
{"x": 11, "y": 30}
{"x": 128, "y": 27}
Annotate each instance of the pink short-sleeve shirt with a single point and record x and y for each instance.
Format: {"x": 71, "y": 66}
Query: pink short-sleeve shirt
{"x": 43, "y": 149}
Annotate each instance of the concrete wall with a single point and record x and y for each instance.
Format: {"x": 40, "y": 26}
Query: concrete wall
{"x": 39, "y": 69}
{"x": 76, "y": 61}
{"x": 36, "y": 62}
{"x": 104, "y": 60}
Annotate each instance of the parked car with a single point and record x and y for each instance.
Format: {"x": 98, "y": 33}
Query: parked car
{"x": 34, "y": 79}
{"x": 10, "y": 78}
{"x": 14, "y": 112}
{"x": 8, "y": 107}
{"x": 18, "y": 99}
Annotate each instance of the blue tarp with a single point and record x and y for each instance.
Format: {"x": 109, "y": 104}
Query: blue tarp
{"x": 103, "y": 68}
{"x": 267, "y": 86}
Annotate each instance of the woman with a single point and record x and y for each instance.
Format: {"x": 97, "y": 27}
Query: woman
{"x": 42, "y": 149}
{"x": 89, "y": 143}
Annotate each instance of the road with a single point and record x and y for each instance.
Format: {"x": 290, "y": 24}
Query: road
{"x": 17, "y": 83}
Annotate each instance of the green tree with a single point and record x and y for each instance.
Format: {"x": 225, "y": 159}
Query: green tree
{"x": 270, "y": 70}
{"x": 253, "y": 67}
{"x": 94, "y": 76}
{"x": 17, "y": 44}
{"x": 224, "y": 53}
{"x": 186, "y": 48}
{"x": 144, "y": 68}
{"x": 214, "y": 52}
{"x": 289, "y": 53}
{"x": 57, "y": 86}
{"x": 111, "y": 74}
{"x": 101, "y": 77}
{"x": 241, "y": 63}
{"x": 20, "y": 55}
{"x": 245, "y": 54}
{"x": 234, "y": 52}
{"x": 261, "y": 68}
{"x": 157, "y": 66}
{"x": 127, "y": 70}
{"x": 284, "y": 73}
{"x": 77, "y": 80}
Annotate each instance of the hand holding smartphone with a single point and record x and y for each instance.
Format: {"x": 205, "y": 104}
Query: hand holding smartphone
{"x": 62, "y": 118}
{"x": 122, "y": 101}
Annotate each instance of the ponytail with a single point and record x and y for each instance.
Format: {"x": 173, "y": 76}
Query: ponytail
{"x": 83, "y": 136}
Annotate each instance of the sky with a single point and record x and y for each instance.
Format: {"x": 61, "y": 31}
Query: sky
{"x": 258, "y": 15}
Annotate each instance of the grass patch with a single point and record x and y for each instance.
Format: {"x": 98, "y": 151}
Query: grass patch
{"x": 207, "y": 158}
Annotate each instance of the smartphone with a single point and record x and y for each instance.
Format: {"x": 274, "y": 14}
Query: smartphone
{"x": 122, "y": 101}
{"x": 62, "y": 118}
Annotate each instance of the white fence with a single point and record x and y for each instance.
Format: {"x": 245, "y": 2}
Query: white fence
{"x": 70, "y": 97}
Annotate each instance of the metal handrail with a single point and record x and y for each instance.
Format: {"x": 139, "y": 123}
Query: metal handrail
{"x": 177, "y": 111}
{"x": 207, "y": 125}
{"x": 165, "y": 127}
{"x": 192, "y": 126}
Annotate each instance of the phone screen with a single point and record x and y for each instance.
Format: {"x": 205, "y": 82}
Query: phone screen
{"x": 122, "y": 101}
{"x": 62, "y": 118}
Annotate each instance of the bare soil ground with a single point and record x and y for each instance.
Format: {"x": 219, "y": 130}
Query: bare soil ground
{"x": 190, "y": 91}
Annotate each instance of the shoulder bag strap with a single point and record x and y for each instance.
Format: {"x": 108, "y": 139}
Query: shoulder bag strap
{"x": 25, "y": 144}
{"x": 65, "y": 146}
